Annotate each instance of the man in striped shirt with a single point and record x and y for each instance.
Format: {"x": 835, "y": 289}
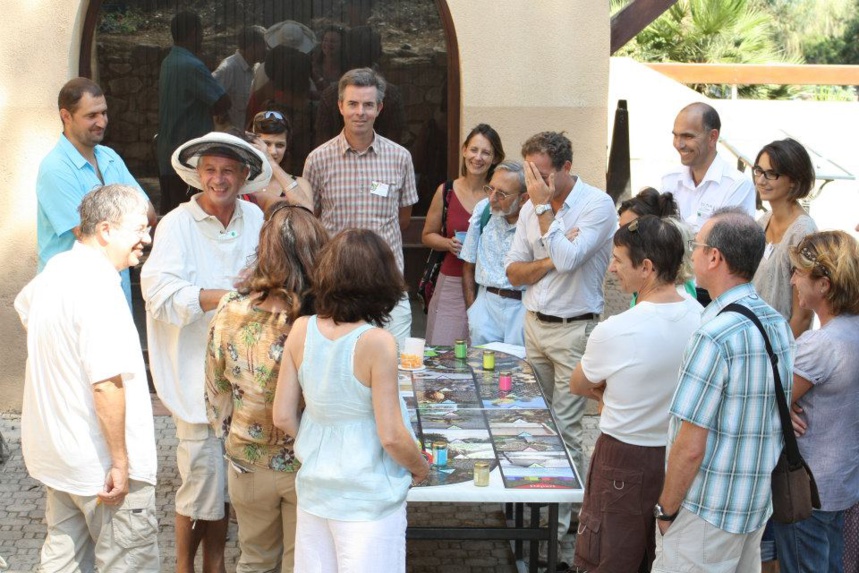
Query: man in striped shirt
{"x": 363, "y": 180}
{"x": 724, "y": 435}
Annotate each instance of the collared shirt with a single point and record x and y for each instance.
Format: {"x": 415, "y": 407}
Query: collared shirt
{"x": 726, "y": 386}
{"x": 722, "y": 186}
{"x": 186, "y": 93}
{"x": 574, "y": 286}
{"x": 242, "y": 363}
{"x": 80, "y": 332}
{"x": 363, "y": 190}
{"x": 64, "y": 178}
{"x": 487, "y": 248}
{"x": 236, "y": 75}
{"x": 191, "y": 251}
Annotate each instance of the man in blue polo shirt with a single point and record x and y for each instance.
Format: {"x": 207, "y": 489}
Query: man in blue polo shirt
{"x": 188, "y": 98}
{"x": 74, "y": 167}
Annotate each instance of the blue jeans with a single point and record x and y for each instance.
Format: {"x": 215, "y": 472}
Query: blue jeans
{"x": 811, "y": 545}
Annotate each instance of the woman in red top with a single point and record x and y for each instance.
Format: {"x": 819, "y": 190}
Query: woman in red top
{"x": 481, "y": 152}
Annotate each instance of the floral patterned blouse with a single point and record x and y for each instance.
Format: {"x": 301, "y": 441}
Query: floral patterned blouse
{"x": 242, "y": 363}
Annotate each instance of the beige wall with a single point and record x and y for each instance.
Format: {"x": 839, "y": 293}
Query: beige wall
{"x": 534, "y": 66}
{"x": 526, "y": 67}
{"x": 39, "y": 53}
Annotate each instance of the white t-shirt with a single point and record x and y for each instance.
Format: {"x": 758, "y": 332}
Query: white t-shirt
{"x": 80, "y": 332}
{"x": 638, "y": 353}
{"x": 191, "y": 251}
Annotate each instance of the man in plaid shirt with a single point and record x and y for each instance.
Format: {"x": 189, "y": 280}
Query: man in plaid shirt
{"x": 363, "y": 180}
{"x": 725, "y": 435}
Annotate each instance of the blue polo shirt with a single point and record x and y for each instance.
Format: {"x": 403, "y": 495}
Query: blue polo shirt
{"x": 64, "y": 178}
{"x": 186, "y": 93}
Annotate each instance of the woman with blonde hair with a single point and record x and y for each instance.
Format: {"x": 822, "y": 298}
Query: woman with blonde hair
{"x": 825, "y": 398}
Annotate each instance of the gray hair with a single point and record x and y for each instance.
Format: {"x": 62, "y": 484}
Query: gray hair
{"x": 110, "y": 203}
{"x": 740, "y": 240}
{"x": 517, "y": 169}
{"x": 363, "y": 78}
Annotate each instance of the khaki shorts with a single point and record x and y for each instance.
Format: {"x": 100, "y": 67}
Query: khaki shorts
{"x": 202, "y": 467}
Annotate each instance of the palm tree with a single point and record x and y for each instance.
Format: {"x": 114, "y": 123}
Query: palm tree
{"x": 712, "y": 31}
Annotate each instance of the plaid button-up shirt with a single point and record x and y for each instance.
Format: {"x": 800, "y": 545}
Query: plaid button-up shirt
{"x": 726, "y": 386}
{"x": 362, "y": 190}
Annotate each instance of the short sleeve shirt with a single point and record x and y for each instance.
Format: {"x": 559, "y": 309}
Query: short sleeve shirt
{"x": 64, "y": 178}
{"x": 726, "y": 386}
{"x": 363, "y": 190}
{"x": 186, "y": 93}
{"x": 486, "y": 248}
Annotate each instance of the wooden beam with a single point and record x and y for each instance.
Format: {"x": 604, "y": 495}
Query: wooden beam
{"x": 750, "y": 74}
{"x": 635, "y": 17}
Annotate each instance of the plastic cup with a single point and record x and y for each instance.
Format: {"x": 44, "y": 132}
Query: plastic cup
{"x": 412, "y": 356}
{"x": 460, "y": 236}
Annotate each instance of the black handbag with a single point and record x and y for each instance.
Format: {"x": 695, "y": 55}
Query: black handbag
{"x": 794, "y": 491}
{"x": 426, "y": 286}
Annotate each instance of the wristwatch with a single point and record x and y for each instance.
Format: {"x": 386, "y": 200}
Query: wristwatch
{"x": 660, "y": 514}
{"x": 540, "y": 209}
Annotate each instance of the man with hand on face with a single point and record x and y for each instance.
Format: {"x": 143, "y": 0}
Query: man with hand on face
{"x": 564, "y": 276}
{"x": 74, "y": 167}
{"x": 200, "y": 249}
{"x": 495, "y": 310}
{"x": 363, "y": 180}
{"x": 86, "y": 427}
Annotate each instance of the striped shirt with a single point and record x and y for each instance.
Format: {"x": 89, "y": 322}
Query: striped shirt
{"x": 726, "y": 386}
{"x": 362, "y": 190}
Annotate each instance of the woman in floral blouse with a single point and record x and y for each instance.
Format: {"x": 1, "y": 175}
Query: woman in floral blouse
{"x": 242, "y": 362}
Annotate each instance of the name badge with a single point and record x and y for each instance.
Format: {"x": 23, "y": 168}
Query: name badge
{"x": 379, "y": 188}
{"x": 227, "y": 235}
{"x": 768, "y": 251}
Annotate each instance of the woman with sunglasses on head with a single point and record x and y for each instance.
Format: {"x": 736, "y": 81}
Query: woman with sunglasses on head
{"x": 825, "y": 398}
{"x": 246, "y": 339}
{"x": 783, "y": 174}
{"x": 273, "y": 135}
{"x": 481, "y": 152}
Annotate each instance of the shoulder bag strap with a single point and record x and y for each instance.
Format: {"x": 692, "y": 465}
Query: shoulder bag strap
{"x": 448, "y": 189}
{"x": 484, "y": 217}
{"x": 793, "y": 458}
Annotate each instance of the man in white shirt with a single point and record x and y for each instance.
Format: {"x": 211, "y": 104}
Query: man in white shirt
{"x": 236, "y": 72}
{"x": 86, "y": 428}
{"x": 564, "y": 276}
{"x": 705, "y": 181}
{"x": 200, "y": 249}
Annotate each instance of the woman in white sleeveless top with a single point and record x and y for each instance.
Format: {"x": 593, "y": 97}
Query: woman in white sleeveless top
{"x": 353, "y": 438}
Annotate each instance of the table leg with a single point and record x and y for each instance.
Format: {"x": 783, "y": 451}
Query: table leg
{"x": 552, "y": 555}
{"x": 518, "y": 522}
{"x": 535, "y": 544}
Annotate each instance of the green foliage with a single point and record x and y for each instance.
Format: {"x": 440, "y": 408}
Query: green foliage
{"x": 122, "y": 22}
{"x": 713, "y": 31}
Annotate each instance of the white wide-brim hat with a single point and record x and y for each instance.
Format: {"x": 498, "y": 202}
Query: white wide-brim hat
{"x": 292, "y": 34}
{"x": 220, "y": 144}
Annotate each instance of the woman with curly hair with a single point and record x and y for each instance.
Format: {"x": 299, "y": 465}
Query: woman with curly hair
{"x": 243, "y": 360}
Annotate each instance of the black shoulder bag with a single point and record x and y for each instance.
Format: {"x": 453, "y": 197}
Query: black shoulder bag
{"x": 794, "y": 491}
{"x": 426, "y": 286}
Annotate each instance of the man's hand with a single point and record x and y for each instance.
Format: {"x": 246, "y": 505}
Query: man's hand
{"x": 799, "y": 424}
{"x": 663, "y": 525}
{"x": 115, "y": 486}
{"x": 538, "y": 190}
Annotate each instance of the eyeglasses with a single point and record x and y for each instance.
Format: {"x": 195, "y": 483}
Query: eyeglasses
{"x": 692, "y": 244}
{"x": 806, "y": 254}
{"x": 769, "y": 175}
{"x": 272, "y": 115}
{"x": 489, "y": 190}
{"x": 141, "y": 233}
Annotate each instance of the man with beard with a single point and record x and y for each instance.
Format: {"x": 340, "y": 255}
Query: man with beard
{"x": 74, "y": 167}
{"x": 495, "y": 309}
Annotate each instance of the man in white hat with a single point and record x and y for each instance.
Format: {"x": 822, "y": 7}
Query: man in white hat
{"x": 199, "y": 250}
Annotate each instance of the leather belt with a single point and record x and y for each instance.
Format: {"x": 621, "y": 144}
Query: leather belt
{"x": 558, "y": 319}
{"x": 505, "y": 292}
